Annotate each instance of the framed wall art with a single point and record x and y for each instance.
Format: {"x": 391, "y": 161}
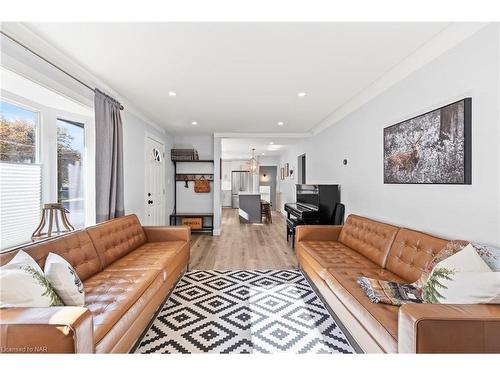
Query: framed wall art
{"x": 432, "y": 148}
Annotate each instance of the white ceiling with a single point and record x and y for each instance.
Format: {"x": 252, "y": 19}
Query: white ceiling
{"x": 241, "y": 148}
{"x": 237, "y": 77}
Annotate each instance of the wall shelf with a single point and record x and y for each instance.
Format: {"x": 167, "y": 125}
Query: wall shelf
{"x": 194, "y": 161}
{"x": 193, "y": 176}
{"x": 207, "y": 217}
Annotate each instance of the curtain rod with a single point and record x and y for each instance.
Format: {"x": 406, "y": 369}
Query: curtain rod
{"x": 50, "y": 63}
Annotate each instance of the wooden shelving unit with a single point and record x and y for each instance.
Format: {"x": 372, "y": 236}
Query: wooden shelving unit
{"x": 176, "y": 217}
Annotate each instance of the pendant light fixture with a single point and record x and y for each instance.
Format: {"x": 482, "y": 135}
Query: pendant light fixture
{"x": 253, "y": 164}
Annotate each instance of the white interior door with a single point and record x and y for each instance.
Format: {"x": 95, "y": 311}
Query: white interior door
{"x": 155, "y": 182}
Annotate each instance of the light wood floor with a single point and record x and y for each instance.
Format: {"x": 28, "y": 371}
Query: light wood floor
{"x": 243, "y": 246}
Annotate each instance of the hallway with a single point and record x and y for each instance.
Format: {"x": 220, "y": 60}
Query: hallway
{"x": 243, "y": 246}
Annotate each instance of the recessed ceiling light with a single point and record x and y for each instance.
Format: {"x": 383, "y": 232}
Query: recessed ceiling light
{"x": 194, "y": 123}
{"x": 281, "y": 123}
{"x": 271, "y": 143}
{"x": 172, "y": 93}
{"x": 301, "y": 94}
{"x": 263, "y": 153}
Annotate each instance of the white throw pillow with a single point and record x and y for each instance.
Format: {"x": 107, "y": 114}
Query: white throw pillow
{"x": 463, "y": 278}
{"x": 23, "y": 284}
{"x": 466, "y": 260}
{"x": 64, "y": 280}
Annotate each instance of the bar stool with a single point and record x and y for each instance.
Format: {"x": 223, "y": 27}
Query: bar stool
{"x": 265, "y": 210}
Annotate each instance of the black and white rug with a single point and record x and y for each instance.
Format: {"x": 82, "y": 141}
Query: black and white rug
{"x": 273, "y": 311}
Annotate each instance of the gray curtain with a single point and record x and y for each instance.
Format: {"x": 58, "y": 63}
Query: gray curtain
{"x": 109, "y": 158}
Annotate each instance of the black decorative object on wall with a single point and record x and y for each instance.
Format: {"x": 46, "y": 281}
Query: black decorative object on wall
{"x": 433, "y": 148}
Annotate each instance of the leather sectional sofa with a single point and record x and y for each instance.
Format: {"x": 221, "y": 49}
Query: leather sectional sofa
{"x": 127, "y": 270}
{"x": 334, "y": 257}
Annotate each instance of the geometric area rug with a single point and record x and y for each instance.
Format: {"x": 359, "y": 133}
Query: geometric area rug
{"x": 271, "y": 311}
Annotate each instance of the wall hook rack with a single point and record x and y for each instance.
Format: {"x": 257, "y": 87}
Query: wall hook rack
{"x": 194, "y": 177}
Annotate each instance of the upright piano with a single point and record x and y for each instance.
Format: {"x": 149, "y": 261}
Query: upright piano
{"x": 314, "y": 205}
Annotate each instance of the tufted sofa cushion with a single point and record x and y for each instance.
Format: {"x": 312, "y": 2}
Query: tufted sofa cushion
{"x": 115, "y": 238}
{"x": 110, "y": 293}
{"x": 76, "y": 248}
{"x": 332, "y": 254}
{"x": 380, "y": 319}
{"x": 153, "y": 256}
{"x": 370, "y": 238}
{"x": 410, "y": 253}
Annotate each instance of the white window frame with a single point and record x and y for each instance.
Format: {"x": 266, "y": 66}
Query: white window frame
{"x": 83, "y": 122}
{"x": 38, "y": 125}
{"x": 46, "y": 150}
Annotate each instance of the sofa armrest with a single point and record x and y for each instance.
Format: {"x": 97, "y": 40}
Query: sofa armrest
{"x": 65, "y": 329}
{"x": 430, "y": 328}
{"x": 172, "y": 233}
{"x": 317, "y": 232}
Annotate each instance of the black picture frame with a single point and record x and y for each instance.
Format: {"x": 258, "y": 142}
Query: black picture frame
{"x": 467, "y": 146}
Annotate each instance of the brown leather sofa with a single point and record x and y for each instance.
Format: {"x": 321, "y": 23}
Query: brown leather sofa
{"x": 334, "y": 257}
{"x": 127, "y": 271}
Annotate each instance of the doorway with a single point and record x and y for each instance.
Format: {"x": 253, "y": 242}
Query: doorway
{"x": 267, "y": 184}
{"x": 301, "y": 169}
{"x": 154, "y": 182}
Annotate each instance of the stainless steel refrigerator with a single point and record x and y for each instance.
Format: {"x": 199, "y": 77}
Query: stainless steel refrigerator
{"x": 240, "y": 181}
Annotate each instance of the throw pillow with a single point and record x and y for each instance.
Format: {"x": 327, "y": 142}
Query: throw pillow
{"x": 452, "y": 247}
{"x": 64, "y": 280}
{"x": 490, "y": 254}
{"x": 393, "y": 293}
{"x": 23, "y": 284}
{"x": 463, "y": 278}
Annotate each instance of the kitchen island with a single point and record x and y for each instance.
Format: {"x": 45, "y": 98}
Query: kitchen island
{"x": 249, "y": 210}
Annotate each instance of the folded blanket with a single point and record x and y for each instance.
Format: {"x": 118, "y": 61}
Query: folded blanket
{"x": 393, "y": 293}
{"x": 390, "y": 292}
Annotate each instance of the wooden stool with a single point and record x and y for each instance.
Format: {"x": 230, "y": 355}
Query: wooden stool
{"x": 265, "y": 210}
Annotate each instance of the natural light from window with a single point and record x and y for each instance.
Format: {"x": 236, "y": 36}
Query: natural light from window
{"x": 20, "y": 174}
{"x": 46, "y": 156}
{"x": 70, "y": 171}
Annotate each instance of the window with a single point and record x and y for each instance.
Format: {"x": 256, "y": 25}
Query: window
{"x": 46, "y": 156}
{"x": 18, "y": 134}
{"x": 20, "y": 175}
{"x": 70, "y": 172}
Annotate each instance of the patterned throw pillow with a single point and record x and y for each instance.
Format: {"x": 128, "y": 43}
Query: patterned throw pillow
{"x": 64, "y": 280}
{"x": 490, "y": 254}
{"x": 463, "y": 278}
{"x": 446, "y": 285}
{"x": 23, "y": 284}
{"x": 451, "y": 248}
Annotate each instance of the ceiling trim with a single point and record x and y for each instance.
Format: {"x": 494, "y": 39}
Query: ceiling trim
{"x": 262, "y": 135}
{"x": 445, "y": 40}
{"x": 28, "y": 37}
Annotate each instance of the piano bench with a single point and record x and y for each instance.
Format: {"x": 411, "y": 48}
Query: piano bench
{"x": 290, "y": 230}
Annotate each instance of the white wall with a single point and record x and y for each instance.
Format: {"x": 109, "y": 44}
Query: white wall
{"x": 202, "y": 143}
{"x": 452, "y": 211}
{"x": 217, "y": 206}
{"x": 135, "y": 131}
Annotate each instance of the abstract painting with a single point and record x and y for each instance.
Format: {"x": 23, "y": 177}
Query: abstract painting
{"x": 433, "y": 148}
